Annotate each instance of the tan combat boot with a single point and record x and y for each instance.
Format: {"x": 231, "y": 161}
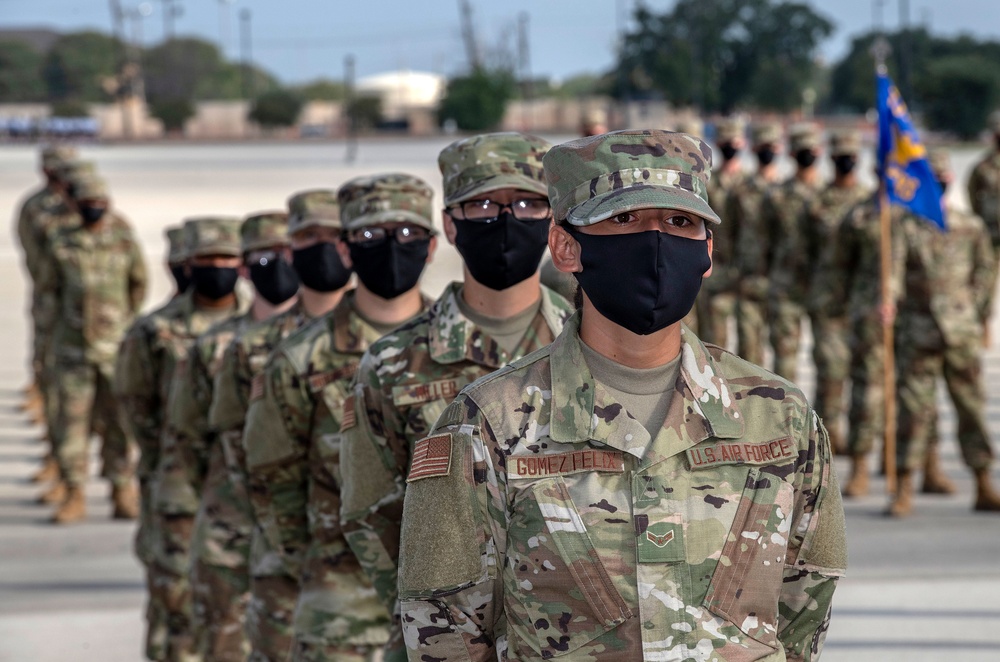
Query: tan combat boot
{"x": 73, "y": 508}
{"x": 54, "y": 495}
{"x": 48, "y": 472}
{"x": 126, "y": 502}
{"x": 935, "y": 481}
{"x": 857, "y": 484}
{"x": 987, "y": 499}
{"x": 902, "y": 503}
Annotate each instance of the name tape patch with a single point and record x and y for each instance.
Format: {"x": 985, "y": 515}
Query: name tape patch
{"x": 320, "y": 380}
{"x": 257, "y": 387}
{"x": 739, "y": 452}
{"x": 348, "y": 418}
{"x": 414, "y": 394}
{"x": 538, "y": 466}
{"x": 431, "y": 458}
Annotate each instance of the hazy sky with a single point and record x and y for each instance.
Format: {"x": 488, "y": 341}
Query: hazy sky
{"x": 304, "y": 39}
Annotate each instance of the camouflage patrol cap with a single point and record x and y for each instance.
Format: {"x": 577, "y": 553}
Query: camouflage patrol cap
{"x": 728, "y": 129}
{"x": 693, "y": 126}
{"x": 89, "y": 187}
{"x": 804, "y": 135}
{"x": 480, "y": 164}
{"x": 386, "y": 198}
{"x": 847, "y": 141}
{"x": 766, "y": 133}
{"x": 54, "y": 156}
{"x": 264, "y": 230}
{"x": 592, "y": 179}
{"x": 212, "y": 235}
{"x": 314, "y": 208}
{"x": 176, "y": 250}
{"x": 994, "y": 121}
{"x": 71, "y": 168}
{"x": 940, "y": 161}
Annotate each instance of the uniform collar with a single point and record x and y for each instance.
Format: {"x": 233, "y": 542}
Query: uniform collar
{"x": 351, "y": 333}
{"x": 702, "y": 405}
{"x": 453, "y": 338}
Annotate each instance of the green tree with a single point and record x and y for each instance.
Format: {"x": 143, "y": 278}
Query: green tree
{"x": 958, "y": 92}
{"x": 20, "y": 73}
{"x": 477, "y": 102}
{"x": 721, "y": 54}
{"x": 323, "y": 89}
{"x": 172, "y": 112}
{"x": 79, "y": 66}
{"x": 365, "y": 112}
{"x": 276, "y": 108}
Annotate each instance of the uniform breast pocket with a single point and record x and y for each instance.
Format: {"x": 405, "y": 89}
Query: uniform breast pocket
{"x": 746, "y": 584}
{"x": 559, "y": 592}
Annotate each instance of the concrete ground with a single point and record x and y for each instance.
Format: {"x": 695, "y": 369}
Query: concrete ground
{"x": 923, "y": 589}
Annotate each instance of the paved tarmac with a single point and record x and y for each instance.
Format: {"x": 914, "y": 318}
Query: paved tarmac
{"x": 922, "y": 589}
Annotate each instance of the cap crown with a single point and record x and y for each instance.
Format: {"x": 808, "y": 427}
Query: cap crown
{"x": 386, "y": 198}
{"x": 492, "y": 161}
{"x": 264, "y": 230}
{"x": 804, "y": 135}
{"x": 317, "y": 207}
{"x": 88, "y": 186}
{"x": 213, "y": 235}
{"x": 728, "y": 129}
{"x": 847, "y": 141}
{"x": 55, "y": 155}
{"x": 766, "y": 133}
{"x": 176, "y": 250}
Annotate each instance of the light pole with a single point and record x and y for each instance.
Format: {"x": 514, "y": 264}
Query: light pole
{"x": 224, "y": 20}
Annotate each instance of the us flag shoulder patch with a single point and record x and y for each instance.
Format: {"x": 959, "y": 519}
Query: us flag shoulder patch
{"x": 431, "y": 458}
{"x": 257, "y": 387}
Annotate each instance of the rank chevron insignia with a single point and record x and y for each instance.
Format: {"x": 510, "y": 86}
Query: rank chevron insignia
{"x": 660, "y": 541}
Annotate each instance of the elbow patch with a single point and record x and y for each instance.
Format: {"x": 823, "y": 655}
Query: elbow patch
{"x": 825, "y": 550}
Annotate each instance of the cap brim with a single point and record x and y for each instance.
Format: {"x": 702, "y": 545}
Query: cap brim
{"x": 264, "y": 243}
{"x": 231, "y": 251}
{"x": 299, "y": 225}
{"x": 389, "y": 216}
{"x": 495, "y": 183}
{"x": 631, "y": 198}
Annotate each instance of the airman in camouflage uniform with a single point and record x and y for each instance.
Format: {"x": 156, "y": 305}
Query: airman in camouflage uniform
{"x": 984, "y": 196}
{"x": 407, "y": 378}
{"x": 716, "y": 303}
{"x": 293, "y": 429}
{"x": 94, "y": 275}
{"x": 192, "y": 479}
{"x": 831, "y": 351}
{"x": 943, "y": 309}
{"x": 789, "y": 256}
{"x": 546, "y": 517}
{"x": 147, "y": 360}
{"x": 744, "y": 211}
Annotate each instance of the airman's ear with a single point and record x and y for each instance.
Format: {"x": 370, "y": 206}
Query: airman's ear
{"x": 565, "y": 250}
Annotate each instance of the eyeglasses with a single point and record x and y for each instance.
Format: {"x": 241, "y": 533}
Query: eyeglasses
{"x": 404, "y": 234}
{"x": 488, "y": 211}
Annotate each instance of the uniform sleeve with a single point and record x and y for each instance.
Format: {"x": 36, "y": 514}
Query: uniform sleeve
{"x": 983, "y": 275}
{"x": 452, "y": 545}
{"x": 750, "y": 249}
{"x": 138, "y": 278}
{"x": 817, "y": 555}
{"x": 47, "y": 289}
{"x": 276, "y": 441}
{"x": 974, "y": 187}
{"x": 27, "y": 238}
{"x": 178, "y": 480}
{"x": 137, "y": 389}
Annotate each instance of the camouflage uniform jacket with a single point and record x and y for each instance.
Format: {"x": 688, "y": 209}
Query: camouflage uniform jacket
{"x": 150, "y": 352}
{"x": 724, "y": 274}
{"x": 849, "y": 283}
{"x": 787, "y": 219}
{"x": 96, "y": 280}
{"x": 825, "y": 219}
{"x": 538, "y": 523}
{"x": 404, "y": 383}
{"x": 188, "y": 437}
{"x": 945, "y": 301}
{"x": 744, "y": 211}
{"x": 292, "y": 440}
{"x": 44, "y": 203}
{"x": 984, "y": 193}
{"x": 244, "y": 359}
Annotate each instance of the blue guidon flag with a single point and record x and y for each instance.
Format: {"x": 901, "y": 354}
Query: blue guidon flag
{"x": 902, "y": 158}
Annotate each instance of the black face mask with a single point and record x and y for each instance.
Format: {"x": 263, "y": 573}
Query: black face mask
{"x": 91, "y": 215}
{"x": 844, "y": 164}
{"x": 389, "y": 268}
{"x": 180, "y": 277}
{"x": 765, "y": 156}
{"x": 728, "y": 151}
{"x": 644, "y": 281}
{"x": 214, "y": 282}
{"x": 276, "y": 280}
{"x": 320, "y": 267}
{"x": 805, "y": 158}
{"x": 943, "y": 185}
{"x": 502, "y": 253}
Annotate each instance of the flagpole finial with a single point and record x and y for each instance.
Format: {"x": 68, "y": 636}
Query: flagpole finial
{"x": 881, "y": 50}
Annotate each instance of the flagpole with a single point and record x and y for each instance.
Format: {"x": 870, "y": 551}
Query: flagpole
{"x": 881, "y": 50}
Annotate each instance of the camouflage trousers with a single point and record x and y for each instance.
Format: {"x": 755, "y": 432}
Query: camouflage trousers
{"x": 917, "y": 370}
{"x": 270, "y": 615}
{"x": 173, "y": 592}
{"x": 156, "y": 610}
{"x": 832, "y": 356}
{"x": 714, "y": 310}
{"x": 866, "y": 415}
{"x": 751, "y": 323}
{"x": 220, "y": 549}
{"x": 307, "y": 652}
{"x": 85, "y": 403}
{"x": 785, "y": 320}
